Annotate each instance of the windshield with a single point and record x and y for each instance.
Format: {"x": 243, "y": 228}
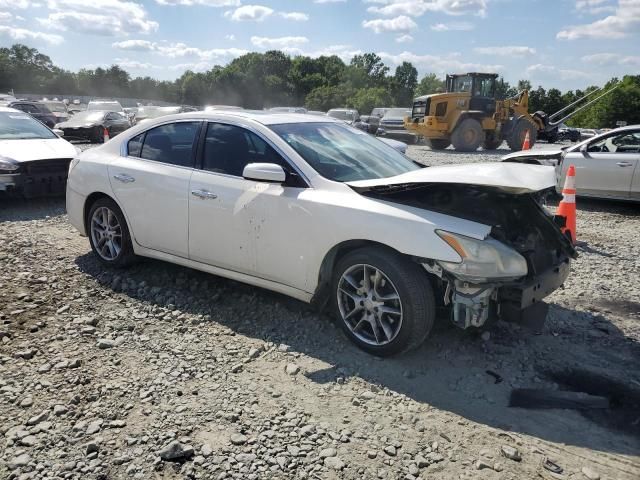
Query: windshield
{"x": 341, "y": 153}
{"x": 88, "y": 116}
{"x": 17, "y": 126}
{"x": 57, "y": 107}
{"x": 341, "y": 114}
{"x": 111, "y": 106}
{"x": 398, "y": 113}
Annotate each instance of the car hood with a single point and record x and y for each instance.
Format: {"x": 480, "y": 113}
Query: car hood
{"x": 38, "y": 149}
{"x": 509, "y": 177}
{"x": 547, "y": 154}
{"x": 76, "y": 123}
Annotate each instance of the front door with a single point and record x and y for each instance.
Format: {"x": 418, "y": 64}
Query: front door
{"x": 151, "y": 185}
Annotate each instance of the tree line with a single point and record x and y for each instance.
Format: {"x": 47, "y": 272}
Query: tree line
{"x": 260, "y": 80}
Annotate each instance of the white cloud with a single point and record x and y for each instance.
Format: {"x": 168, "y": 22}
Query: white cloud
{"x": 405, "y": 38}
{"x": 22, "y": 4}
{"x": 5, "y": 16}
{"x": 439, "y": 64}
{"x": 417, "y": 8}
{"x": 278, "y": 43}
{"x": 295, "y": 16}
{"x": 230, "y": 37}
{"x": 397, "y": 24}
{"x": 549, "y": 72}
{"x": 107, "y": 17}
{"x": 133, "y": 64}
{"x": 206, "y": 3}
{"x": 594, "y": 7}
{"x": 329, "y": 1}
{"x": 452, "y": 26}
{"x": 624, "y": 21}
{"x": 21, "y": 34}
{"x": 603, "y": 59}
{"x": 137, "y": 45}
{"x": 506, "y": 51}
{"x": 256, "y": 13}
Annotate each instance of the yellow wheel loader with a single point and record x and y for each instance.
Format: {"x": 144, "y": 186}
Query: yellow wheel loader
{"x": 469, "y": 116}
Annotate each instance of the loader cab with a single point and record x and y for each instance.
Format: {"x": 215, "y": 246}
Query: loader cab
{"x": 481, "y": 88}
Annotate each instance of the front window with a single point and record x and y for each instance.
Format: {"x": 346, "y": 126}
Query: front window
{"x": 18, "y": 126}
{"x": 343, "y": 154}
{"x": 462, "y": 84}
{"x": 627, "y": 142}
{"x": 483, "y": 87}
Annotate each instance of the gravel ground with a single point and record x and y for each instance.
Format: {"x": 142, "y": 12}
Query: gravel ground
{"x": 164, "y": 372}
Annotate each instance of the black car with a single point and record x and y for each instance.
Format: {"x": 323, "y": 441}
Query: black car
{"x": 37, "y": 110}
{"x": 91, "y": 124}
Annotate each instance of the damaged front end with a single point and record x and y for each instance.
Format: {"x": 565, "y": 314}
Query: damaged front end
{"x": 507, "y": 274}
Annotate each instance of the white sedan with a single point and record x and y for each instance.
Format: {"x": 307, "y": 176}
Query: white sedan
{"x": 318, "y": 210}
{"x": 607, "y": 165}
{"x": 33, "y": 159}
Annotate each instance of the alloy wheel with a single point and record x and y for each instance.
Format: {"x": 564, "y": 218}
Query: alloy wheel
{"x": 369, "y": 304}
{"x": 106, "y": 233}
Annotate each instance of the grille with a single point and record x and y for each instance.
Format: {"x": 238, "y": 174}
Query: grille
{"x": 421, "y": 108}
{"x": 55, "y": 166}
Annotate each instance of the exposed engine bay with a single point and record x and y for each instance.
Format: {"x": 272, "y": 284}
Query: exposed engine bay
{"x": 519, "y": 221}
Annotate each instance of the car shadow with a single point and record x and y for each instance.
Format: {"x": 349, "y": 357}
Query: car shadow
{"x": 21, "y": 210}
{"x": 457, "y": 371}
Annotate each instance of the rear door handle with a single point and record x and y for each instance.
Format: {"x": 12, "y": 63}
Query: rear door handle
{"x": 124, "y": 178}
{"x": 624, "y": 164}
{"x": 204, "y": 194}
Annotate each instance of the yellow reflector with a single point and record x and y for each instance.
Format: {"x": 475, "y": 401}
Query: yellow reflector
{"x": 453, "y": 243}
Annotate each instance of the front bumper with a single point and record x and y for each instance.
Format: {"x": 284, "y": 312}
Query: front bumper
{"x": 37, "y": 179}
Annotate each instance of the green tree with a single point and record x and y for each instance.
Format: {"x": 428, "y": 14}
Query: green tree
{"x": 366, "y": 99}
{"x": 403, "y": 84}
{"x": 429, "y": 84}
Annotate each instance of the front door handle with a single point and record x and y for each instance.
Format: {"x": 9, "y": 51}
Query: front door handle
{"x": 624, "y": 164}
{"x": 204, "y": 194}
{"x": 124, "y": 178}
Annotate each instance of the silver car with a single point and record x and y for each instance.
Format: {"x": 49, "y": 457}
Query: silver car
{"x": 607, "y": 165}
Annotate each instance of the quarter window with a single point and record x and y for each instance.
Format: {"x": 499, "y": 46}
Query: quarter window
{"x": 135, "y": 145}
{"x": 172, "y": 143}
{"x": 228, "y": 149}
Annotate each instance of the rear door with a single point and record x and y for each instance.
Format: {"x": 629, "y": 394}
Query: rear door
{"x": 606, "y": 168}
{"x": 151, "y": 184}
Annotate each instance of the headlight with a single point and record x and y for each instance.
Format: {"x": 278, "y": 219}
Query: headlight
{"x": 482, "y": 260}
{"x": 7, "y": 165}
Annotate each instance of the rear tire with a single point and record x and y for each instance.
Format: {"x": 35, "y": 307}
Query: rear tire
{"x": 468, "y": 135}
{"x": 109, "y": 234}
{"x": 519, "y": 132}
{"x": 369, "y": 312}
{"x": 439, "y": 143}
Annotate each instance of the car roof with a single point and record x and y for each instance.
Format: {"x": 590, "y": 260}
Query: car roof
{"x": 264, "y": 117}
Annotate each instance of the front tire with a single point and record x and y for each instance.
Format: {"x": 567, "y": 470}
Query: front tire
{"x": 383, "y": 301}
{"x": 468, "y": 135}
{"x": 517, "y": 136}
{"x": 108, "y": 234}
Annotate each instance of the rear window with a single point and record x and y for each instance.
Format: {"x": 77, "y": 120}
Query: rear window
{"x": 172, "y": 143}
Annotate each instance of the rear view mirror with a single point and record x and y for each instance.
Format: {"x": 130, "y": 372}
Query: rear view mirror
{"x": 264, "y": 172}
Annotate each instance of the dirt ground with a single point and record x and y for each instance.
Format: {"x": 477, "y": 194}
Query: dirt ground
{"x": 165, "y": 372}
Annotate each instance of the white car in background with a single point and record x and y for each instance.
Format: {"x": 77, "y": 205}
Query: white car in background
{"x": 325, "y": 213}
{"x": 34, "y": 161}
{"x": 607, "y": 165}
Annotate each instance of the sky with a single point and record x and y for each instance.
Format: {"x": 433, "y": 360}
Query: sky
{"x": 565, "y": 44}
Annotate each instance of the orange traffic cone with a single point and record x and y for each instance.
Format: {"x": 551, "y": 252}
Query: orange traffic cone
{"x": 105, "y": 135}
{"x": 526, "y": 145}
{"x": 567, "y": 207}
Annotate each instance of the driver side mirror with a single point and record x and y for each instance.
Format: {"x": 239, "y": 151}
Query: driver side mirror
{"x": 264, "y": 172}
{"x": 584, "y": 149}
